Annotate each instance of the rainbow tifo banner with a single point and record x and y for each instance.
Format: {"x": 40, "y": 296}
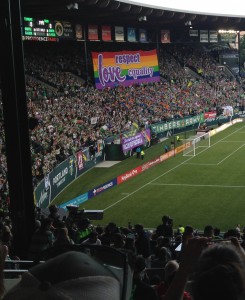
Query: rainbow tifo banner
{"x": 125, "y": 68}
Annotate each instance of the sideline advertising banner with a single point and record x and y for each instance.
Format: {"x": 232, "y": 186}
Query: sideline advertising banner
{"x": 63, "y": 174}
{"x": 75, "y": 201}
{"x": 128, "y": 175}
{"x": 181, "y": 123}
{"x": 102, "y": 188}
{"x": 125, "y": 68}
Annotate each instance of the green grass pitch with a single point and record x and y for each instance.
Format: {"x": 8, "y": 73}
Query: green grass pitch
{"x": 208, "y": 188}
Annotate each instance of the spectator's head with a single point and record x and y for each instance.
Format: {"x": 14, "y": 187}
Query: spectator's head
{"x": 139, "y": 266}
{"x": 111, "y": 228}
{"x": 93, "y": 236}
{"x": 37, "y": 224}
{"x": 139, "y": 228}
{"x": 130, "y": 241}
{"x": 208, "y": 231}
{"x": 231, "y": 233}
{"x": 160, "y": 240}
{"x": 54, "y": 212}
{"x": 71, "y": 275}
{"x": 99, "y": 229}
{"x": 216, "y": 231}
{"x": 166, "y": 242}
{"x": 53, "y": 209}
{"x": 189, "y": 230}
{"x": 62, "y": 233}
{"x": 219, "y": 274}
{"x": 83, "y": 223}
{"x": 163, "y": 254}
{"x": 46, "y": 224}
{"x": 118, "y": 240}
{"x": 180, "y": 229}
{"x": 165, "y": 219}
{"x": 170, "y": 270}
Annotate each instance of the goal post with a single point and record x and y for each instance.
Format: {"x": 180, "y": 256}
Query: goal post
{"x": 195, "y": 144}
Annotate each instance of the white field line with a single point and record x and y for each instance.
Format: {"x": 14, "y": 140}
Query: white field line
{"x": 201, "y": 185}
{"x": 232, "y": 141}
{"x": 177, "y": 166}
{"x": 230, "y": 154}
{"x": 199, "y": 164}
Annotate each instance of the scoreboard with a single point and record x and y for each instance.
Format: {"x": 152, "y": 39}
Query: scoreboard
{"x": 46, "y": 30}
{"x": 40, "y": 30}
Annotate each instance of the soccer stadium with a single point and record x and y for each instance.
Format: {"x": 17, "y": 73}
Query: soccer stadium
{"x": 122, "y": 143}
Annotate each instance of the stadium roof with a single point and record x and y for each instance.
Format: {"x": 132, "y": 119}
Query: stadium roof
{"x": 113, "y": 12}
{"x": 233, "y": 8}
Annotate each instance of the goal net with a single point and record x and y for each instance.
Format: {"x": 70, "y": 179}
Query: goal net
{"x": 195, "y": 144}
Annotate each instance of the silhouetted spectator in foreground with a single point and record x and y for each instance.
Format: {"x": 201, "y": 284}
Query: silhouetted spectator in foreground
{"x": 166, "y": 228}
{"x": 54, "y": 214}
{"x": 83, "y": 231}
{"x": 71, "y": 275}
{"x": 93, "y": 239}
{"x": 219, "y": 274}
{"x": 62, "y": 238}
{"x": 208, "y": 231}
{"x": 107, "y": 237}
{"x": 142, "y": 242}
{"x": 170, "y": 270}
{"x": 42, "y": 239}
{"x": 141, "y": 287}
{"x": 164, "y": 256}
{"x": 3, "y": 257}
{"x": 217, "y": 271}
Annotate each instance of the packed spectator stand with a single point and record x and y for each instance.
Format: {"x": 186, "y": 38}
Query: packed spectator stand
{"x": 65, "y": 103}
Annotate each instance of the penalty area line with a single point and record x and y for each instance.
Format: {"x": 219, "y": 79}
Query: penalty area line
{"x": 199, "y": 185}
{"x": 197, "y": 164}
{"x": 165, "y": 173}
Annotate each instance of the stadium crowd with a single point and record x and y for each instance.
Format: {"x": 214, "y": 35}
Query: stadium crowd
{"x": 166, "y": 261}
{"x": 73, "y": 115}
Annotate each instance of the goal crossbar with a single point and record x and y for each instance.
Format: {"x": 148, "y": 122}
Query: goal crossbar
{"x": 194, "y": 142}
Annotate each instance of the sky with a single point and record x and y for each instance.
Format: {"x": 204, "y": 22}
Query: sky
{"x": 234, "y": 8}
